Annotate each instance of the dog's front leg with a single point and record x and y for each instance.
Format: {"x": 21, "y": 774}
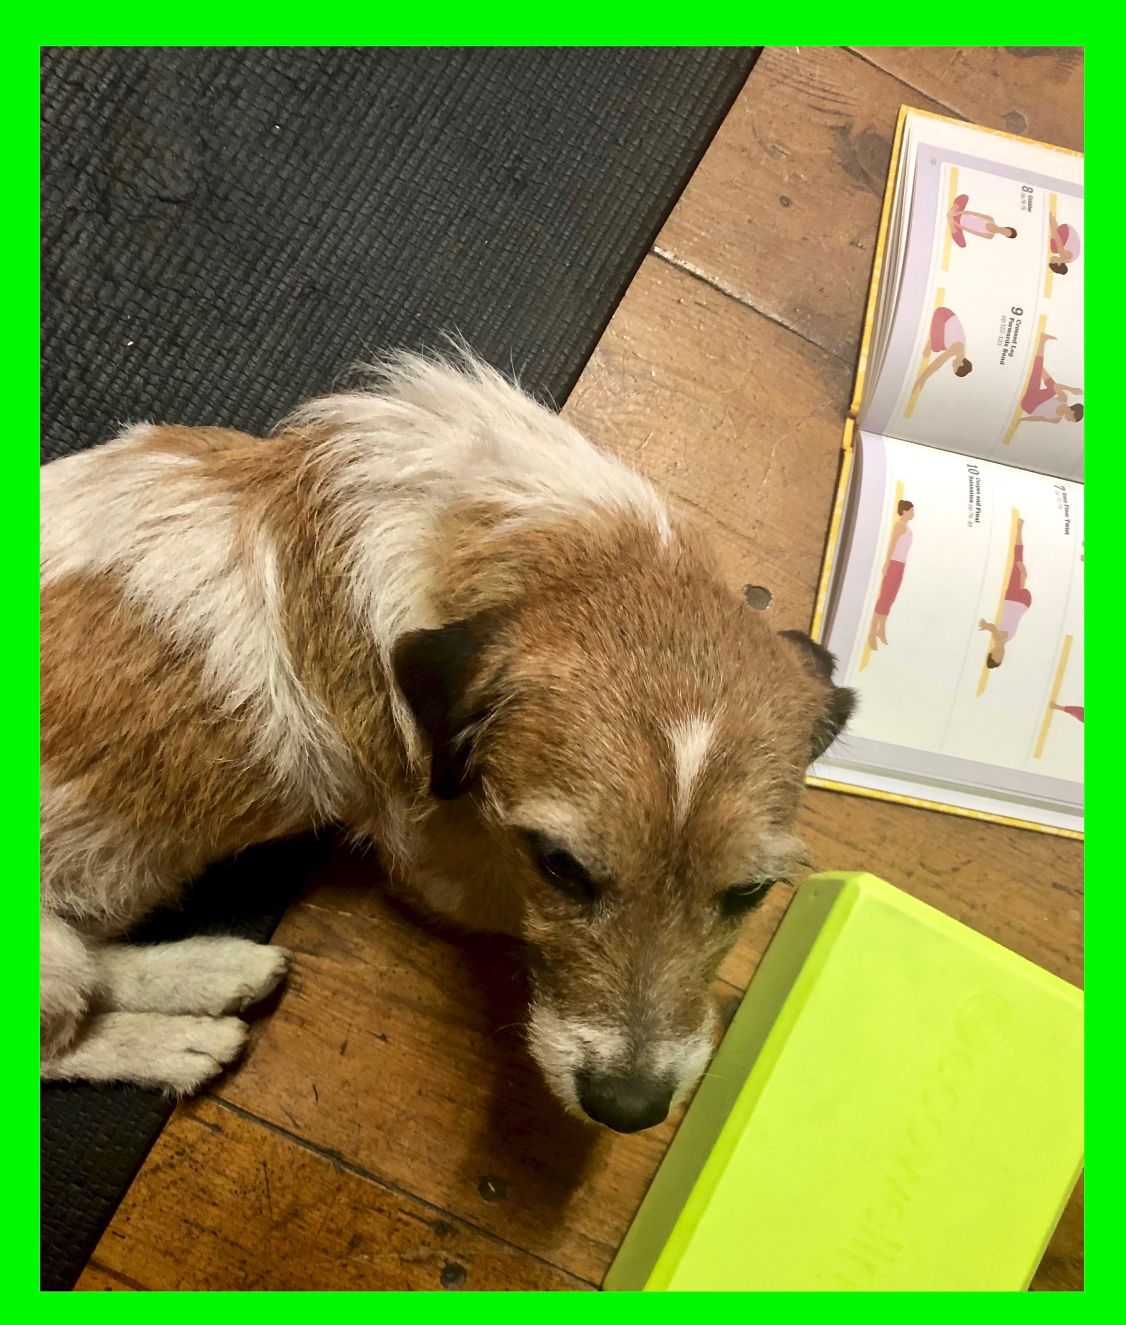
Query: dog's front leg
{"x": 161, "y": 1011}
{"x": 204, "y": 976}
{"x": 177, "y": 1054}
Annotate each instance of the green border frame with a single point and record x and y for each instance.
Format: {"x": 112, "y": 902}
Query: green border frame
{"x": 583, "y": 24}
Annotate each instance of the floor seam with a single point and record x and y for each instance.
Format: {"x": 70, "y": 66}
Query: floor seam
{"x": 721, "y": 287}
{"x": 338, "y": 1161}
{"x": 96, "y": 1264}
{"x": 873, "y": 64}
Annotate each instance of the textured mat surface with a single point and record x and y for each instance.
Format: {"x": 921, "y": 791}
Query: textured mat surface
{"x": 225, "y": 230}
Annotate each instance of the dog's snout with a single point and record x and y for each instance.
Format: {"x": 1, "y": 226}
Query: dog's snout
{"x": 627, "y": 1102}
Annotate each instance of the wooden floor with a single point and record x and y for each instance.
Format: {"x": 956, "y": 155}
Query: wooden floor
{"x": 386, "y": 1130}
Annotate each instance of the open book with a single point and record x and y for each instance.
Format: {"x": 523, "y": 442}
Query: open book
{"x": 952, "y": 592}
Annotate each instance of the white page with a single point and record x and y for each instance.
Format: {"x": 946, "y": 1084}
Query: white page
{"x": 929, "y": 708}
{"x": 967, "y": 291}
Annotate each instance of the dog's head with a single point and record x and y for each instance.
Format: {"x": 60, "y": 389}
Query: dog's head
{"x": 636, "y": 736}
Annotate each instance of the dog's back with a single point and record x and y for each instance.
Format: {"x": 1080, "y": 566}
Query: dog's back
{"x": 218, "y": 614}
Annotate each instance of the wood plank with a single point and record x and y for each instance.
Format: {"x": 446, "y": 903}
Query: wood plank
{"x": 728, "y": 413}
{"x": 226, "y": 1204}
{"x": 783, "y": 209}
{"x": 1034, "y": 91}
{"x": 95, "y": 1278}
{"x": 396, "y": 1048}
{"x": 428, "y": 1085}
{"x": 1061, "y": 1270}
{"x": 1022, "y": 889}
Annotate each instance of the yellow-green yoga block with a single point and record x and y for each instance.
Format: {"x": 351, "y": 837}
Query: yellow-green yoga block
{"x": 897, "y": 1105}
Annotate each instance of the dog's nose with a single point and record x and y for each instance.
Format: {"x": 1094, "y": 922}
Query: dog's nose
{"x": 627, "y": 1103}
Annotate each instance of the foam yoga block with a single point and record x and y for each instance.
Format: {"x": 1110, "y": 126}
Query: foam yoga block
{"x": 897, "y": 1105}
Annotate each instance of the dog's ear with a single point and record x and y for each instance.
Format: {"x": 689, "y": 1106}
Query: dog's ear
{"x": 437, "y": 671}
{"x": 839, "y": 701}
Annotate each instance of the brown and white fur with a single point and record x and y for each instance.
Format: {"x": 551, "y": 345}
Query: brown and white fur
{"x": 432, "y": 611}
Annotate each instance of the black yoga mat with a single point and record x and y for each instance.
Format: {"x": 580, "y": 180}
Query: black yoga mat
{"x": 225, "y": 230}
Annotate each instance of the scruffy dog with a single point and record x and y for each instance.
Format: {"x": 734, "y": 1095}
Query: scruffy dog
{"x": 432, "y": 612}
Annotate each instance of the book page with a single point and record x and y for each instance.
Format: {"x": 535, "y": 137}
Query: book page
{"x": 958, "y": 617}
{"x": 981, "y": 350}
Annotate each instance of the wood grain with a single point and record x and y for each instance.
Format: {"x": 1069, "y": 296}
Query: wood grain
{"x": 783, "y": 209}
{"x": 1034, "y": 91}
{"x": 97, "y": 1279}
{"x": 1022, "y": 889}
{"x": 228, "y": 1204}
{"x": 782, "y": 212}
{"x": 732, "y": 416}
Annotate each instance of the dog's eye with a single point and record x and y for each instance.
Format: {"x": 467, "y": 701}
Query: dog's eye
{"x": 745, "y": 897}
{"x": 562, "y": 870}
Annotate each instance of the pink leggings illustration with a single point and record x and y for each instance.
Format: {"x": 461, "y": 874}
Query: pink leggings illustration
{"x": 947, "y": 342}
{"x": 1015, "y": 592}
{"x": 1041, "y": 388}
{"x": 889, "y": 587}
{"x": 946, "y": 330}
{"x": 1045, "y": 400}
{"x": 963, "y": 223}
{"x": 1016, "y": 602}
{"x": 899, "y": 545}
{"x": 1075, "y": 710}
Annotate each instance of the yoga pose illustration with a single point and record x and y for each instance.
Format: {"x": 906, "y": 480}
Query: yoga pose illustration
{"x": 898, "y": 546}
{"x": 1016, "y": 602}
{"x": 1075, "y": 710}
{"x": 963, "y": 223}
{"x": 1063, "y": 240}
{"x": 1046, "y": 400}
{"x": 948, "y": 342}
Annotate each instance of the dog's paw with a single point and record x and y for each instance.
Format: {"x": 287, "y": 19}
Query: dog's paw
{"x": 195, "y": 1050}
{"x": 250, "y": 973}
{"x": 220, "y": 976}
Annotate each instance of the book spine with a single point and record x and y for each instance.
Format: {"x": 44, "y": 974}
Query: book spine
{"x": 835, "y": 522}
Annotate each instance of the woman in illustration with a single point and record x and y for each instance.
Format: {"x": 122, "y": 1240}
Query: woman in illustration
{"x": 1017, "y": 601}
{"x": 1075, "y": 710}
{"x": 963, "y": 223}
{"x": 1046, "y": 400}
{"x": 948, "y": 342}
{"x": 1063, "y": 240}
{"x": 898, "y": 546}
